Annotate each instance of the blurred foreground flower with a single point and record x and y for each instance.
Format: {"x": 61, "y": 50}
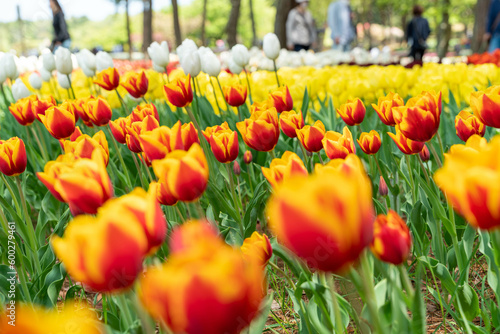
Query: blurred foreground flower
{"x": 13, "y": 157}
{"x": 486, "y": 106}
{"x": 257, "y": 246}
{"x": 283, "y": 168}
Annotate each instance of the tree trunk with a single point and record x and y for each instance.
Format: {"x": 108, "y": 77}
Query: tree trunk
{"x": 232, "y": 23}
{"x": 127, "y": 23}
{"x": 444, "y": 31}
{"x": 283, "y": 7}
{"x": 177, "y": 26}
{"x": 481, "y": 14}
{"x": 254, "y": 29}
{"x": 147, "y": 32}
{"x": 203, "y": 20}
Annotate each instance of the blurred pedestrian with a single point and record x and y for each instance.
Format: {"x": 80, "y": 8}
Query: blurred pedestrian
{"x": 300, "y": 28}
{"x": 61, "y": 34}
{"x": 339, "y": 20}
{"x": 492, "y": 34}
{"x": 417, "y": 33}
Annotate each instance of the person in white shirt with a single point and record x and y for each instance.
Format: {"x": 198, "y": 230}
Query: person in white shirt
{"x": 300, "y": 28}
{"x": 340, "y": 22}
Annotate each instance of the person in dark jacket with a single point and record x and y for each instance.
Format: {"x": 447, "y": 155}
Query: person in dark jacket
{"x": 61, "y": 35}
{"x": 493, "y": 26}
{"x": 416, "y": 34}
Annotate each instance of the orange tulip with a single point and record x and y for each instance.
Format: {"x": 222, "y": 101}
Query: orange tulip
{"x": 99, "y": 111}
{"x": 406, "y": 145}
{"x": 311, "y": 136}
{"x": 188, "y": 136}
{"x": 185, "y": 172}
{"x": 467, "y": 124}
{"x": 212, "y": 129}
{"x": 13, "y": 158}
{"x": 247, "y": 157}
{"x": 261, "y": 131}
{"x": 224, "y": 145}
{"x": 77, "y": 133}
{"x": 143, "y": 110}
{"x": 22, "y": 110}
{"x": 281, "y": 99}
{"x": 119, "y": 129}
{"x": 235, "y": 95}
{"x": 79, "y": 108}
{"x": 486, "y": 104}
{"x": 84, "y": 146}
{"x": 352, "y": 112}
{"x": 338, "y": 145}
{"x": 179, "y": 92}
{"x": 156, "y": 143}
{"x": 290, "y": 122}
{"x": 163, "y": 194}
{"x": 53, "y": 170}
{"x": 385, "y": 107}
{"x": 39, "y": 106}
{"x": 205, "y": 287}
{"x": 105, "y": 253}
{"x": 325, "y": 219}
{"x": 59, "y": 121}
{"x": 419, "y": 119}
{"x": 260, "y": 106}
{"x": 109, "y": 79}
{"x": 391, "y": 238}
{"x": 257, "y": 246}
{"x": 370, "y": 142}
{"x": 348, "y": 164}
{"x": 135, "y": 129}
{"x": 283, "y": 168}
{"x": 136, "y": 83}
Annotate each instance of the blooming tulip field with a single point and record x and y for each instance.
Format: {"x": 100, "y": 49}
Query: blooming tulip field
{"x": 194, "y": 199}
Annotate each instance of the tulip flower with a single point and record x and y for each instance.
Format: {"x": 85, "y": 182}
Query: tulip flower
{"x": 236, "y": 168}
{"x": 247, "y": 157}
{"x": 406, "y": 145}
{"x": 59, "y": 121}
{"x": 189, "y": 294}
{"x": 194, "y": 233}
{"x": 98, "y": 111}
{"x": 240, "y": 55}
{"x": 352, "y": 112}
{"x": 281, "y": 99}
{"x": 13, "y": 158}
{"x": 185, "y": 172}
{"x": 485, "y": 105}
{"x": 35, "y": 80}
{"x": 210, "y": 64}
{"x": 103, "y": 61}
{"x": 39, "y": 106}
{"x": 163, "y": 194}
{"x": 84, "y": 146}
{"x": 179, "y": 92}
{"x": 79, "y": 108}
{"x": 271, "y": 45}
{"x": 233, "y": 67}
{"x": 46, "y": 76}
{"x": 63, "y": 80}
{"x": 281, "y": 169}
{"x": 224, "y": 145}
{"x": 212, "y": 129}
{"x": 10, "y": 67}
{"x": 64, "y": 64}
{"x": 136, "y": 83}
{"x": 191, "y": 64}
{"x": 350, "y": 163}
{"x": 257, "y": 246}
{"x": 86, "y": 61}
{"x": 467, "y": 124}
{"x": 382, "y": 187}
{"x": 156, "y": 143}
{"x": 134, "y": 130}
{"x": 108, "y": 79}
{"x": 419, "y": 119}
{"x": 311, "y": 136}
{"x": 260, "y": 106}
{"x": 187, "y": 133}
{"x": 290, "y": 122}
{"x": 53, "y": 170}
{"x": 424, "y": 154}
{"x": 141, "y": 111}
{"x": 104, "y": 253}
{"x": 327, "y": 220}
{"x": 470, "y": 178}
{"x": 22, "y": 111}
{"x": 119, "y": 129}
{"x": 370, "y": 142}
{"x": 19, "y": 90}
{"x": 261, "y": 131}
{"x": 338, "y": 145}
{"x": 385, "y": 107}
{"x": 159, "y": 53}
{"x": 391, "y": 238}
{"x": 235, "y": 95}
{"x": 49, "y": 61}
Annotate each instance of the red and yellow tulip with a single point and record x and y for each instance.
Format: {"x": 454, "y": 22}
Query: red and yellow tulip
{"x": 179, "y": 92}
{"x": 406, "y": 145}
{"x": 370, "y": 142}
{"x": 281, "y": 99}
{"x": 261, "y": 131}
{"x": 84, "y": 146}
{"x": 385, "y": 106}
{"x": 22, "y": 110}
{"x": 467, "y": 124}
{"x": 13, "y": 159}
{"x": 235, "y": 95}
{"x": 257, "y": 247}
{"x": 338, "y": 145}
{"x": 136, "y": 83}
{"x": 311, "y": 136}
{"x": 224, "y": 145}
{"x": 352, "y": 112}
{"x": 486, "y": 106}
{"x": 108, "y": 79}
{"x": 98, "y": 111}
{"x": 283, "y": 168}
{"x": 59, "y": 121}
{"x": 290, "y": 122}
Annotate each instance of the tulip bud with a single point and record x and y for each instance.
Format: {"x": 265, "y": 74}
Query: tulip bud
{"x": 64, "y": 64}
{"x": 188, "y": 46}
{"x": 46, "y": 75}
{"x": 159, "y": 53}
{"x": 19, "y": 90}
{"x": 240, "y": 55}
{"x": 49, "y": 62}
{"x": 9, "y": 66}
{"x": 210, "y": 64}
{"x": 234, "y": 68}
{"x": 190, "y": 64}
{"x": 13, "y": 158}
{"x": 236, "y": 168}
{"x": 35, "y": 80}
{"x": 63, "y": 80}
{"x": 247, "y": 157}
{"x": 382, "y": 187}
{"x": 271, "y": 46}
{"x": 103, "y": 61}
{"x": 424, "y": 154}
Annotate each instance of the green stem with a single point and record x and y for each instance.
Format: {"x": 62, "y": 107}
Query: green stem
{"x": 117, "y": 149}
{"x": 127, "y": 316}
{"x": 436, "y": 156}
{"x": 320, "y": 158}
{"x": 222, "y": 92}
{"x": 39, "y": 143}
{"x": 235, "y": 199}
{"x": 71, "y": 87}
{"x": 336, "y": 308}
{"x": 304, "y": 153}
{"x": 282, "y": 272}
{"x": 181, "y": 216}
{"x": 124, "y": 106}
{"x": 105, "y": 309}
{"x": 276, "y": 72}
{"x": 251, "y": 176}
{"x": 370, "y": 299}
{"x": 440, "y": 143}
{"x": 249, "y": 88}
{"x": 405, "y": 280}
{"x": 138, "y": 170}
{"x": 11, "y": 192}
{"x": 425, "y": 170}
{"x": 410, "y": 175}
{"x": 215, "y": 96}
{"x": 144, "y": 100}
{"x": 271, "y": 153}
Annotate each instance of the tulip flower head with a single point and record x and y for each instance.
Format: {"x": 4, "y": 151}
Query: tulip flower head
{"x": 370, "y": 142}
{"x": 22, "y": 110}
{"x": 224, "y": 145}
{"x": 136, "y": 83}
{"x": 261, "y": 131}
{"x": 338, "y": 145}
{"x": 108, "y": 79}
{"x": 159, "y": 53}
{"x": 179, "y": 92}
{"x": 486, "y": 106}
{"x": 385, "y": 107}
{"x": 156, "y": 144}
{"x": 13, "y": 159}
{"x": 247, "y": 157}
{"x": 39, "y": 106}
{"x": 281, "y": 99}
{"x": 352, "y": 112}
{"x": 259, "y": 246}
{"x": 134, "y": 130}
{"x": 235, "y": 95}
{"x": 271, "y": 46}
{"x": 212, "y": 129}
{"x": 84, "y": 146}
{"x": 424, "y": 154}
{"x": 382, "y": 187}
{"x": 349, "y": 163}
{"x": 98, "y": 111}
{"x": 467, "y": 124}
{"x": 59, "y": 121}
{"x": 406, "y": 145}
{"x": 142, "y": 111}
{"x": 290, "y": 122}
{"x": 183, "y": 136}
{"x": 283, "y": 168}
{"x": 119, "y": 129}
{"x": 311, "y": 136}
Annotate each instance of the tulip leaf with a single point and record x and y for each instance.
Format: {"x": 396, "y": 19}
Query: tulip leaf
{"x": 469, "y": 301}
{"x": 259, "y": 323}
{"x": 418, "y": 323}
{"x": 254, "y": 207}
{"x": 305, "y": 105}
{"x": 52, "y": 284}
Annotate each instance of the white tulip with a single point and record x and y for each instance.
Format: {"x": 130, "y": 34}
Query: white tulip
{"x": 64, "y": 64}
{"x": 190, "y": 63}
{"x": 9, "y": 66}
{"x": 159, "y": 53}
{"x": 3, "y": 76}
{"x": 240, "y": 55}
{"x": 203, "y": 51}
{"x": 158, "y": 68}
{"x": 188, "y": 46}
{"x": 46, "y": 75}
{"x": 89, "y": 59}
{"x": 103, "y": 61}
{"x": 63, "y": 80}
{"x": 271, "y": 46}
{"x": 49, "y": 62}
{"x": 82, "y": 62}
{"x": 234, "y": 68}
{"x": 210, "y": 64}
{"x": 19, "y": 90}
{"x": 35, "y": 80}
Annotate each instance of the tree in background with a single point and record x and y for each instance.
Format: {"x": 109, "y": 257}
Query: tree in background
{"x": 283, "y": 7}
{"x": 177, "y": 26}
{"x": 232, "y": 23}
{"x": 255, "y": 41}
{"x": 203, "y": 20}
{"x": 147, "y": 31}
{"x": 481, "y": 14}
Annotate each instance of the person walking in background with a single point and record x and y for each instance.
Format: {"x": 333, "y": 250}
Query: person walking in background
{"x": 416, "y": 34}
{"x": 492, "y": 34}
{"x": 339, "y": 20}
{"x": 300, "y": 28}
{"x": 61, "y": 35}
